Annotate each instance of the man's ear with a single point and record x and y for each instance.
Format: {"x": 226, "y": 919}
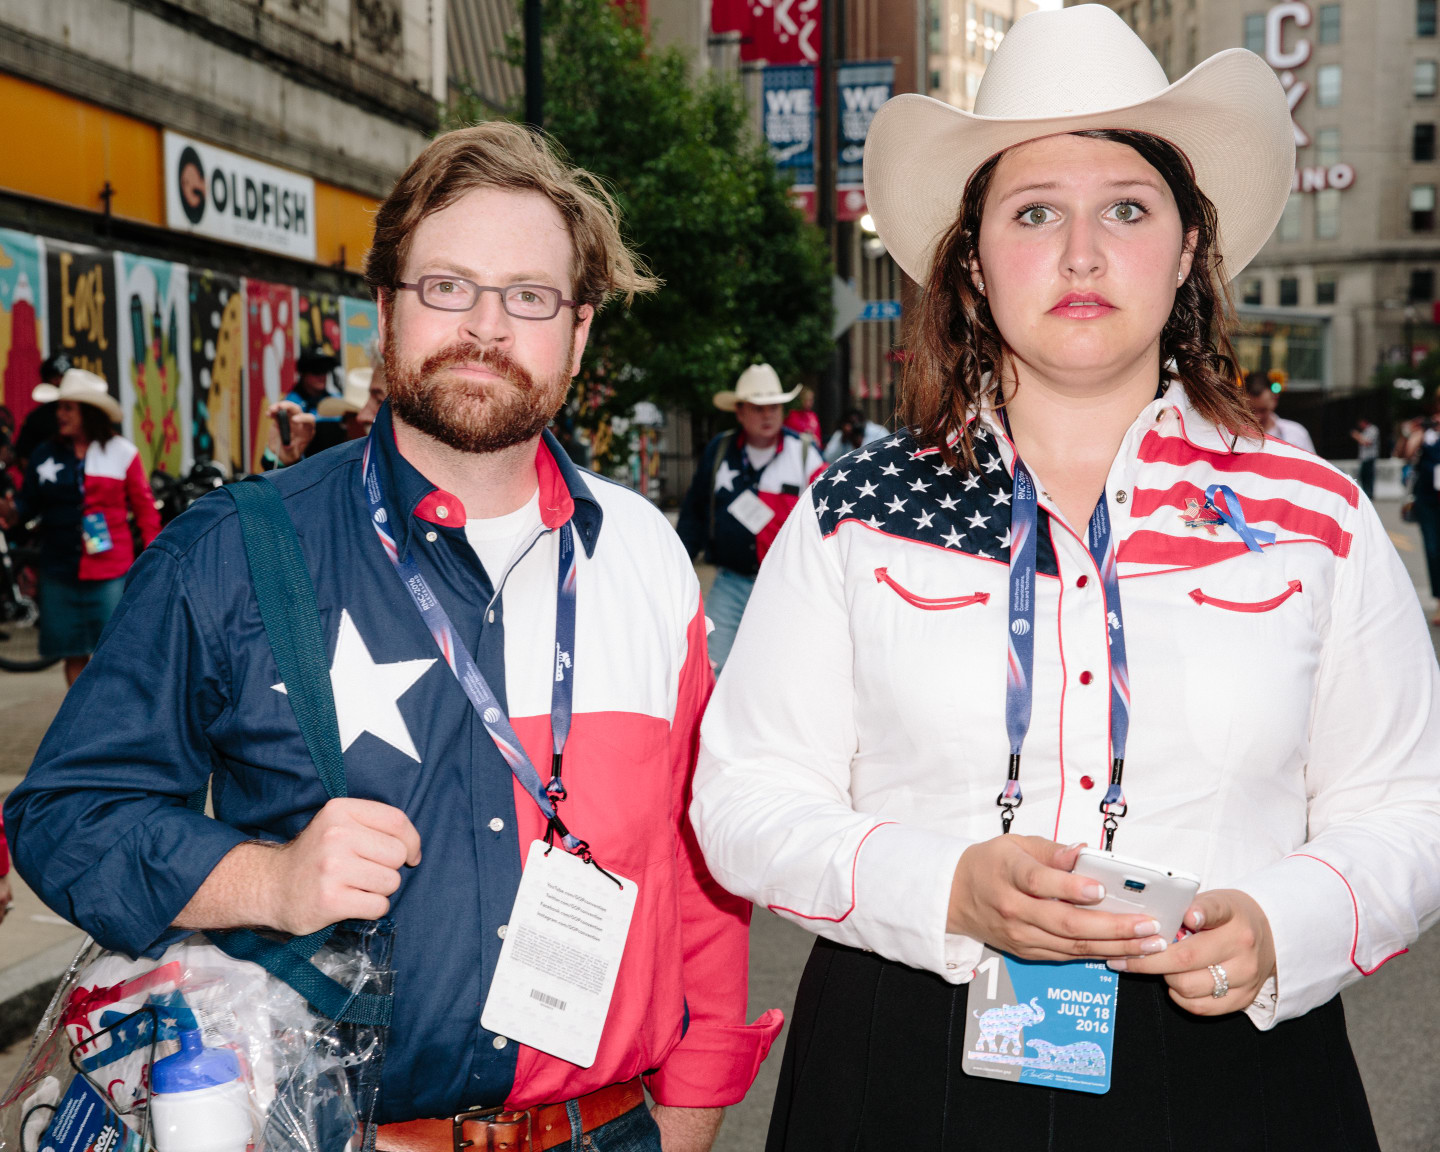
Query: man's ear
{"x": 585, "y": 315}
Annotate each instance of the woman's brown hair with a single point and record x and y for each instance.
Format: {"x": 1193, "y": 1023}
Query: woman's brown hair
{"x": 956, "y": 341}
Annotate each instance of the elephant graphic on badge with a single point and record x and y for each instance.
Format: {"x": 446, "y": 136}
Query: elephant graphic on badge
{"x": 1000, "y": 1027}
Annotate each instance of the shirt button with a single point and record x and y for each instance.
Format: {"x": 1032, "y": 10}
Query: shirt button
{"x": 499, "y": 1042}
{"x": 952, "y": 967}
{"x": 500, "y": 931}
{"x": 1121, "y": 496}
{"x": 1086, "y": 783}
{"x": 442, "y": 511}
{"x": 1086, "y": 677}
{"x": 1082, "y": 581}
{"x": 430, "y": 537}
{"x": 490, "y": 619}
{"x": 496, "y": 824}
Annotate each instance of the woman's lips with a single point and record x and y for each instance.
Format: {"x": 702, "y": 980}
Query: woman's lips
{"x": 1082, "y": 306}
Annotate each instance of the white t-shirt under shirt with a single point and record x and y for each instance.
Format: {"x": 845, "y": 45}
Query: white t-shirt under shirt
{"x": 759, "y": 457}
{"x": 497, "y": 539}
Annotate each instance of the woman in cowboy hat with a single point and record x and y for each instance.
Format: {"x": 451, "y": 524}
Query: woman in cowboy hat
{"x": 82, "y": 486}
{"x": 1078, "y": 599}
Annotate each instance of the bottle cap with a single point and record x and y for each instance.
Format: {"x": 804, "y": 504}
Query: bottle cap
{"x": 194, "y": 1066}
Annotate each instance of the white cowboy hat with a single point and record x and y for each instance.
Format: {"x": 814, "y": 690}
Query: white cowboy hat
{"x": 758, "y": 384}
{"x": 1073, "y": 70}
{"x": 82, "y": 387}
{"x": 354, "y": 396}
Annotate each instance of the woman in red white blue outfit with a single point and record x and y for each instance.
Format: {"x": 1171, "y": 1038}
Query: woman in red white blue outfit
{"x": 83, "y": 486}
{"x": 1078, "y": 599}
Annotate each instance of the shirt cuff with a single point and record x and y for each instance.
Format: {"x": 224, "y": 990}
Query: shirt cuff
{"x": 715, "y": 1064}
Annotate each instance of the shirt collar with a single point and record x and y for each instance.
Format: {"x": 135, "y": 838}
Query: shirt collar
{"x": 564, "y": 495}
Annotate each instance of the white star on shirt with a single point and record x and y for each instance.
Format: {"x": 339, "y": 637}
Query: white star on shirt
{"x": 840, "y": 474}
{"x": 992, "y": 464}
{"x": 864, "y": 455}
{"x": 367, "y": 694}
{"x": 952, "y": 539}
{"x": 972, "y": 482}
{"x": 890, "y": 470}
{"x": 978, "y": 521}
{"x": 944, "y": 470}
{"x": 867, "y": 489}
{"x": 895, "y": 443}
{"x": 1005, "y": 540}
{"x": 984, "y": 555}
{"x": 896, "y": 505}
{"x": 918, "y": 486}
{"x": 822, "y": 507}
{"x": 948, "y": 502}
{"x": 49, "y": 471}
{"x": 844, "y": 509}
{"x": 1000, "y": 498}
{"x": 873, "y": 523}
{"x": 924, "y": 520}
{"x": 725, "y": 476}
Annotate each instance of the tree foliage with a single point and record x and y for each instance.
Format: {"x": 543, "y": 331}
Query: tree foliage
{"x": 745, "y": 277}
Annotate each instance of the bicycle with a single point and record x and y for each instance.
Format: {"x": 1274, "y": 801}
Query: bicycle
{"x": 19, "y": 611}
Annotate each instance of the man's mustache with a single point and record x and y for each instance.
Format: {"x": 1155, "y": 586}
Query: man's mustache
{"x": 496, "y": 360}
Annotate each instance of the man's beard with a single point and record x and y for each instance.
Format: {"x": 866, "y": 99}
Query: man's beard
{"x": 468, "y": 415}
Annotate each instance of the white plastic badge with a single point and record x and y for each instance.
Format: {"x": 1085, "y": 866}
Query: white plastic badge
{"x": 751, "y": 511}
{"x": 562, "y": 949}
{"x": 1036, "y": 1023}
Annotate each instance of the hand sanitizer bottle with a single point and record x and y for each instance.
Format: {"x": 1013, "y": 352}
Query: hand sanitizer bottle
{"x": 198, "y": 1103}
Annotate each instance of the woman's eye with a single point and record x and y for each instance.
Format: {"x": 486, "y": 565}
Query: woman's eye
{"x": 1035, "y": 214}
{"x": 1127, "y": 212}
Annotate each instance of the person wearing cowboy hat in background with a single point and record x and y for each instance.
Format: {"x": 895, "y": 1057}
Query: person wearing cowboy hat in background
{"x": 747, "y": 483}
{"x": 336, "y": 419}
{"x": 82, "y": 485}
{"x": 1079, "y": 546}
{"x": 313, "y": 372}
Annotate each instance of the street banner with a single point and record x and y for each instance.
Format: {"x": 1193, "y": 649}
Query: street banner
{"x": 359, "y": 322}
{"x": 80, "y": 309}
{"x": 228, "y": 196}
{"x": 862, "y": 87}
{"x": 154, "y": 365}
{"x": 270, "y": 346}
{"x": 789, "y": 94}
{"x": 22, "y": 320}
{"x": 217, "y": 368}
{"x": 782, "y": 32}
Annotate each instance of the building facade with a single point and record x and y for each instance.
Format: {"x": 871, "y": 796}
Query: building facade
{"x": 1347, "y": 283}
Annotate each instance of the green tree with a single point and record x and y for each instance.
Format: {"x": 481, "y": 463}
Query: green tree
{"x": 745, "y": 277}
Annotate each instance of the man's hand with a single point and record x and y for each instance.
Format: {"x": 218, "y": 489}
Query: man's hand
{"x": 1018, "y": 894}
{"x": 345, "y": 865}
{"x": 687, "y": 1129}
{"x": 1232, "y": 930}
{"x": 302, "y": 431}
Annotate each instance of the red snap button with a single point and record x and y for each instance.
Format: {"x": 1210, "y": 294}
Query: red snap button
{"x": 1086, "y": 783}
{"x": 1085, "y": 677}
{"x": 1082, "y": 581}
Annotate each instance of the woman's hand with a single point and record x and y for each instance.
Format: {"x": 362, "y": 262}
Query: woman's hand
{"x": 1231, "y": 930}
{"x": 1017, "y": 894}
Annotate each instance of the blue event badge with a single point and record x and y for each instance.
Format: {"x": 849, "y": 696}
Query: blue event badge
{"x": 85, "y": 1122}
{"x": 1034, "y": 1022}
{"x": 96, "y": 533}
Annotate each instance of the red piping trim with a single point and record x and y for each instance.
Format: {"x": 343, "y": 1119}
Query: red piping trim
{"x": 854, "y": 863}
{"x": 1258, "y": 606}
{"x": 1355, "y": 907}
{"x": 882, "y": 576}
{"x": 1170, "y": 571}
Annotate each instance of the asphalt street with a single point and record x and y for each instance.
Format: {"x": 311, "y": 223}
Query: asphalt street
{"x": 1394, "y": 1015}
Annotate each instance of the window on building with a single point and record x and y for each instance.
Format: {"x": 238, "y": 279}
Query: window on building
{"x": 1135, "y": 14}
{"x": 1192, "y": 47}
{"x": 1289, "y": 291}
{"x": 1422, "y": 285}
{"x": 1327, "y": 147}
{"x": 1154, "y": 10}
{"x": 1422, "y": 208}
{"x": 1424, "y": 17}
{"x": 1325, "y": 289}
{"x": 1329, "y": 32}
{"x": 1255, "y": 33}
{"x": 1327, "y": 86}
{"x": 1252, "y": 291}
{"x": 1422, "y": 143}
{"x": 1327, "y": 214}
{"x": 935, "y": 79}
{"x": 1165, "y": 55}
{"x": 1289, "y": 226}
{"x": 1424, "y": 82}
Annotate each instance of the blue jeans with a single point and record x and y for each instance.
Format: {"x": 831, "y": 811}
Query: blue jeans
{"x": 1427, "y": 519}
{"x": 724, "y": 606}
{"x": 636, "y": 1131}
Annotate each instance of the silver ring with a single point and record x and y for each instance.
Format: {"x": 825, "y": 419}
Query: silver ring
{"x": 1222, "y": 981}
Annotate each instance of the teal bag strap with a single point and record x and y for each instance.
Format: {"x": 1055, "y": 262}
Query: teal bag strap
{"x": 291, "y": 617}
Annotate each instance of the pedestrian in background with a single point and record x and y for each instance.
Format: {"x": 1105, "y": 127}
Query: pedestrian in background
{"x": 1263, "y": 402}
{"x": 1367, "y": 440}
{"x": 855, "y": 431}
{"x": 336, "y": 420}
{"x": 1422, "y": 456}
{"x": 83, "y": 485}
{"x": 1079, "y": 547}
{"x": 803, "y": 419}
{"x": 745, "y": 486}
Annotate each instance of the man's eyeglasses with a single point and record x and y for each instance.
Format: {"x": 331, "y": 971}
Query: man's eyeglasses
{"x": 456, "y": 294}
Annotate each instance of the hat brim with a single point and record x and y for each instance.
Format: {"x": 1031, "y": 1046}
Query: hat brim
{"x": 726, "y": 401}
{"x": 1228, "y": 116}
{"x": 49, "y": 393}
{"x": 335, "y": 406}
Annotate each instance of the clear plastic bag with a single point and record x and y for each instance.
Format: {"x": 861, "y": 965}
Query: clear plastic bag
{"x": 312, "y": 1083}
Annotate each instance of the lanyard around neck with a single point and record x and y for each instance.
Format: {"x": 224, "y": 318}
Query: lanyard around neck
{"x": 462, "y": 664}
{"x": 1020, "y": 655}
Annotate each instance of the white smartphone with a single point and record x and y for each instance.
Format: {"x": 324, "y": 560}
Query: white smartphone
{"x": 1132, "y": 886}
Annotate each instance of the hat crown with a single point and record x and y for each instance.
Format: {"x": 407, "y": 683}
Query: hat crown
{"x": 758, "y": 380}
{"x": 1071, "y": 61}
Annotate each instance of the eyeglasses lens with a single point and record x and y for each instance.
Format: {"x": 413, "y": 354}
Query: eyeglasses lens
{"x": 527, "y": 301}
{"x": 532, "y": 301}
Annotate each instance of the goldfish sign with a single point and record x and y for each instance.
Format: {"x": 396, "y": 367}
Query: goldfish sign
{"x": 231, "y": 197}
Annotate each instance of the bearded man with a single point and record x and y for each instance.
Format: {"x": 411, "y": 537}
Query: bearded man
{"x": 490, "y": 260}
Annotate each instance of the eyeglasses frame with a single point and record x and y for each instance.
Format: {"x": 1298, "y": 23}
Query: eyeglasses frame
{"x": 480, "y": 289}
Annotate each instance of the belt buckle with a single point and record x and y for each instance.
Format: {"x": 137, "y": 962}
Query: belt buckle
{"x": 457, "y": 1132}
{"x": 490, "y": 1116}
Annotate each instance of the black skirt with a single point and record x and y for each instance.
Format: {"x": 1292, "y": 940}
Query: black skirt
{"x": 873, "y": 1063}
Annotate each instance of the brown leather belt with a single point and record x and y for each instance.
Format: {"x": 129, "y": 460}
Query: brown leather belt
{"x": 491, "y": 1130}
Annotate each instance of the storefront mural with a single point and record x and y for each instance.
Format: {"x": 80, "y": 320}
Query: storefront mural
{"x": 22, "y": 319}
{"x": 270, "y": 350}
{"x": 359, "y": 320}
{"x": 80, "y": 305}
{"x": 217, "y": 368}
{"x": 155, "y": 390}
{"x": 318, "y": 323}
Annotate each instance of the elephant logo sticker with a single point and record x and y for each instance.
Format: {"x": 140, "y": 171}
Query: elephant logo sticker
{"x": 1000, "y": 1028}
